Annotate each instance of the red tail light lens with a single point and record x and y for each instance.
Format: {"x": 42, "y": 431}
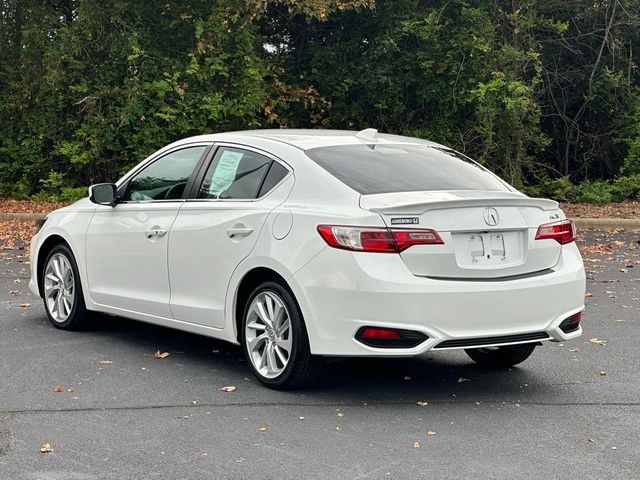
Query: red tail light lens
{"x": 384, "y": 240}
{"x": 562, "y": 232}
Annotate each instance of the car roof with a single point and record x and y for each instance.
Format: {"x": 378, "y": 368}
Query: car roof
{"x": 305, "y": 139}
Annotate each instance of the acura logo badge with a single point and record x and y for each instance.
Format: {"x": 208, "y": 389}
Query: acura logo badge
{"x": 491, "y": 217}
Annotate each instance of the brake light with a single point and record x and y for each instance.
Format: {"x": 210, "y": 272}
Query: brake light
{"x": 384, "y": 240}
{"x": 562, "y": 232}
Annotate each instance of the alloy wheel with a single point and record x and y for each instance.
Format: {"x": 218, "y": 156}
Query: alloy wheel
{"x": 268, "y": 334}
{"x": 59, "y": 287}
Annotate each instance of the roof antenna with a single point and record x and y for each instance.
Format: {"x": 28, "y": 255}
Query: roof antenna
{"x": 368, "y": 135}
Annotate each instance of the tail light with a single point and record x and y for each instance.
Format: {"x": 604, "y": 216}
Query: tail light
{"x": 384, "y": 240}
{"x": 562, "y": 232}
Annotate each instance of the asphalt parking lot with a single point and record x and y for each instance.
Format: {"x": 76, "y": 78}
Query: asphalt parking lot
{"x": 571, "y": 411}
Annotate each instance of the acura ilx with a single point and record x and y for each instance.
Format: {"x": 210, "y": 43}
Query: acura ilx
{"x": 305, "y": 244}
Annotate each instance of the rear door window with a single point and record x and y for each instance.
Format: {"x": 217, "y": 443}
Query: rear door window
{"x": 234, "y": 174}
{"x": 372, "y": 169}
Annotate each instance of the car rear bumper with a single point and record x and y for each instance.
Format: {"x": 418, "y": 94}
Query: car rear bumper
{"x": 340, "y": 292}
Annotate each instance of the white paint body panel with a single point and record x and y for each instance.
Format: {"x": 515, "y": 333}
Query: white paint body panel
{"x": 125, "y": 269}
{"x": 202, "y": 255}
{"x": 189, "y": 278}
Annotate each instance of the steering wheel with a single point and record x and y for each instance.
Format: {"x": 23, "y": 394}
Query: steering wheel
{"x": 175, "y": 191}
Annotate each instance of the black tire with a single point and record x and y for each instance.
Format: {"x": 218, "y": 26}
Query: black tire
{"x": 302, "y": 368}
{"x": 78, "y": 316}
{"x": 501, "y": 357}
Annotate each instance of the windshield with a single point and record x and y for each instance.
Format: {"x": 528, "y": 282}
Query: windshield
{"x": 371, "y": 169}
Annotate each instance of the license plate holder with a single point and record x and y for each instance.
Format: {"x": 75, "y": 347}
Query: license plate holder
{"x": 487, "y": 248}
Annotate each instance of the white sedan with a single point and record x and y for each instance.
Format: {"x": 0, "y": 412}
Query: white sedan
{"x": 305, "y": 244}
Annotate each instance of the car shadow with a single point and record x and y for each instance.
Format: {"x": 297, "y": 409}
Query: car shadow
{"x": 437, "y": 377}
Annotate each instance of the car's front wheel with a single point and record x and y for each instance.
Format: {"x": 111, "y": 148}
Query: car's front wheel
{"x": 63, "y": 299}
{"x": 501, "y": 357}
{"x": 275, "y": 339}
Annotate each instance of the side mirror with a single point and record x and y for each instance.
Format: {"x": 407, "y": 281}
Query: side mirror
{"x": 103, "y": 193}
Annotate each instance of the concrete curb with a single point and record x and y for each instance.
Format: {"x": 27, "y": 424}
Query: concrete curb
{"x": 25, "y": 217}
{"x": 582, "y": 223}
{"x": 607, "y": 223}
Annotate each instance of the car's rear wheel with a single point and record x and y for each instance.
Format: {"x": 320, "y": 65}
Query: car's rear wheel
{"x": 275, "y": 341}
{"x": 63, "y": 299}
{"x": 501, "y": 357}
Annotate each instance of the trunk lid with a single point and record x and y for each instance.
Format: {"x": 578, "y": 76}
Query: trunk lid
{"x": 487, "y": 235}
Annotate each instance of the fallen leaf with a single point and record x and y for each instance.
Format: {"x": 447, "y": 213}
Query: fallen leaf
{"x": 620, "y": 321}
{"x": 416, "y": 444}
{"x": 598, "y": 341}
{"x": 422, "y": 404}
{"x": 462, "y": 379}
{"x": 262, "y": 429}
{"x": 58, "y": 389}
{"x": 105, "y": 362}
{"x": 575, "y": 349}
{"x": 603, "y": 373}
{"x": 588, "y": 294}
{"x": 229, "y": 388}
{"x": 46, "y": 448}
{"x": 25, "y": 305}
{"x": 71, "y": 389}
{"x": 160, "y": 354}
{"x": 614, "y": 448}
{"x": 430, "y": 433}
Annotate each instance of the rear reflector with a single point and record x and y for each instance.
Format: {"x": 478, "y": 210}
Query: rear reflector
{"x": 562, "y": 232}
{"x": 373, "y": 332}
{"x": 389, "y": 337}
{"x": 572, "y": 323}
{"x": 370, "y": 239}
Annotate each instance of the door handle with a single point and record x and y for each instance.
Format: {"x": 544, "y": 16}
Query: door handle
{"x": 239, "y": 232}
{"x": 155, "y": 232}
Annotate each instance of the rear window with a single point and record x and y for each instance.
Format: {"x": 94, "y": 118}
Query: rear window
{"x": 371, "y": 169}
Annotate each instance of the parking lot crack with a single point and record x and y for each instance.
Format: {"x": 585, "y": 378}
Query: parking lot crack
{"x": 309, "y": 404}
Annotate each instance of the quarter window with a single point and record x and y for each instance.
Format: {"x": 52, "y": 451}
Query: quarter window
{"x": 166, "y": 178}
{"x": 234, "y": 174}
{"x": 276, "y": 173}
